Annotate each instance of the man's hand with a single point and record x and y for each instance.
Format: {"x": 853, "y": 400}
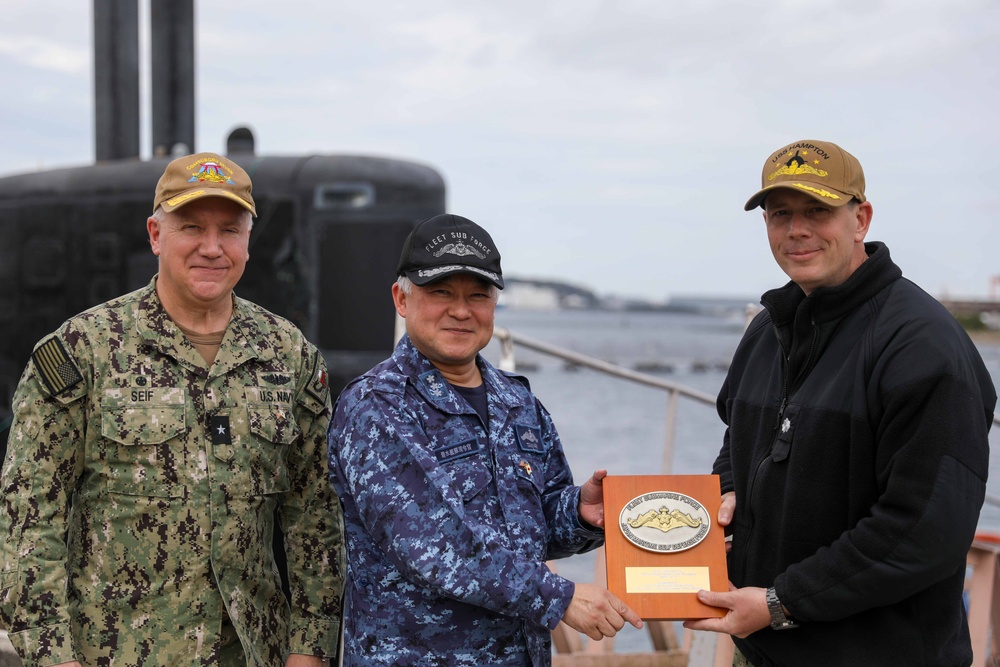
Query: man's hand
{"x": 300, "y": 660}
{"x": 597, "y": 613}
{"x": 592, "y": 499}
{"x": 747, "y": 611}
{"x": 726, "y": 511}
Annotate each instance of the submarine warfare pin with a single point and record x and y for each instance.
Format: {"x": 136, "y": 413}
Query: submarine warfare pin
{"x": 664, "y": 521}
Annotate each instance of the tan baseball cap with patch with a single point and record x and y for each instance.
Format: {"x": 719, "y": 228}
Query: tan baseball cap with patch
{"x": 820, "y": 169}
{"x": 192, "y": 177}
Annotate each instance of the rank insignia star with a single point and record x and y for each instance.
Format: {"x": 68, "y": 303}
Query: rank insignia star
{"x": 785, "y": 425}
{"x": 526, "y": 466}
{"x": 219, "y": 428}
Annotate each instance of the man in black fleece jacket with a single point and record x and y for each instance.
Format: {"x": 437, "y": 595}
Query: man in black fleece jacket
{"x": 855, "y": 457}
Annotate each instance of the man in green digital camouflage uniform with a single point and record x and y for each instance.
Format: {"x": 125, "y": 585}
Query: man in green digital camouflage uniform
{"x": 154, "y": 436}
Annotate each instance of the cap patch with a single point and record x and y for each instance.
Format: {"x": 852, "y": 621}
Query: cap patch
{"x": 54, "y": 366}
{"x": 461, "y": 249}
{"x": 797, "y": 166}
{"x": 210, "y": 170}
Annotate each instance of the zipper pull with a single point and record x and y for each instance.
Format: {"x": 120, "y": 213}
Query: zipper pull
{"x": 781, "y": 412}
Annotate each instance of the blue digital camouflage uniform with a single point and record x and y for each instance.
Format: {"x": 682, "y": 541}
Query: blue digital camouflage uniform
{"x": 140, "y": 489}
{"x": 449, "y": 522}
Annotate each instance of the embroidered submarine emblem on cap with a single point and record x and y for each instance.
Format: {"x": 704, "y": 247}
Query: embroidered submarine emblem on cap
{"x": 664, "y": 521}
{"x": 460, "y": 249}
{"x": 209, "y": 170}
{"x": 796, "y": 166}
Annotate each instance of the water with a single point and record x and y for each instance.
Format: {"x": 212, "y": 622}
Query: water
{"x": 605, "y": 422}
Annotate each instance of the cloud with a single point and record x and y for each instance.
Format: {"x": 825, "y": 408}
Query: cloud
{"x": 596, "y": 123}
{"x": 42, "y": 54}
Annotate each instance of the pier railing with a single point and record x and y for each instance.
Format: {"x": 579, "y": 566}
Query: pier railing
{"x": 675, "y": 391}
{"x": 983, "y": 562}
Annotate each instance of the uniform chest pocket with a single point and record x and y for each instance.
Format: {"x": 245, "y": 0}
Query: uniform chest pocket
{"x": 273, "y": 424}
{"x": 472, "y": 476}
{"x": 140, "y": 462}
{"x": 146, "y": 424}
{"x": 273, "y": 430}
{"x": 528, "y": 471}
{"x": 466, "y": 465}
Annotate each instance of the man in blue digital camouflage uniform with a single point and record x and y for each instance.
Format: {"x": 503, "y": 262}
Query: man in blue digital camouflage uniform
{"x": 155, "y": 437}
{"x": 454, "y": 485}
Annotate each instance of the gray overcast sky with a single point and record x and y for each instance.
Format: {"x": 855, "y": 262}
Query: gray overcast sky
{"x": 607, "y": 144}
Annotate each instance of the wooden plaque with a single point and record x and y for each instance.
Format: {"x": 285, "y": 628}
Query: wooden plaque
{"x": 668, "y": 515}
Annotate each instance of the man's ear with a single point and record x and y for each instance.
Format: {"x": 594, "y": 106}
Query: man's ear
{"x": 399, "y": 300}
{"x": 153, "y": 228}
{"x": 864, "y": 218}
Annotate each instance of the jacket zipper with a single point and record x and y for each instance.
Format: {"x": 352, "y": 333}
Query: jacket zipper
{"x": 785, "y": 391}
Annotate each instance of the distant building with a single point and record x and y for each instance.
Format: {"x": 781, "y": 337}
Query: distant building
{"x": 528, "y": 296}
{"x": 522, "y": 294}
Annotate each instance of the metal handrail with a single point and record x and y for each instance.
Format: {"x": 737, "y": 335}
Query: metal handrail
{"x": 508, "y": 339}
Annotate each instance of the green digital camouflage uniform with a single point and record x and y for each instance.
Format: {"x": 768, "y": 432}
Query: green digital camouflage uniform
{"x": 135, "y": 528}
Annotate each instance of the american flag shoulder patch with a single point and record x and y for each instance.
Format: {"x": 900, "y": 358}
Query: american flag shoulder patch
{"x": 55, "y": 367}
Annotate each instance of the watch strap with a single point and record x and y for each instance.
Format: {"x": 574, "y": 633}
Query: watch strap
{"x": 779, "y": 621}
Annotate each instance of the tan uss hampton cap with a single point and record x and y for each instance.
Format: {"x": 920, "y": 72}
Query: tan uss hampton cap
{"x": 820, "y": 169}
{"x": 203, "y": 175}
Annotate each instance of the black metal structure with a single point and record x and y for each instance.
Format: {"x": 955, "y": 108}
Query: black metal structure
{"x": 323, "y": 249}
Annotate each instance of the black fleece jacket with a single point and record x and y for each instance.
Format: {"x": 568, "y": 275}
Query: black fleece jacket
{"x": 856, "y": 443}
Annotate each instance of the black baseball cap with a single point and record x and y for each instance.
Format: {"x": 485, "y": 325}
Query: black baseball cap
{"x": 447, "y": 244}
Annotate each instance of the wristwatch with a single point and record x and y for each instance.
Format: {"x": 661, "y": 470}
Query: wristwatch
{"x": 778, "y": 619}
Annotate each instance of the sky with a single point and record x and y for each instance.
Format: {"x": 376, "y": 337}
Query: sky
{"x": 610, "y": 145}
